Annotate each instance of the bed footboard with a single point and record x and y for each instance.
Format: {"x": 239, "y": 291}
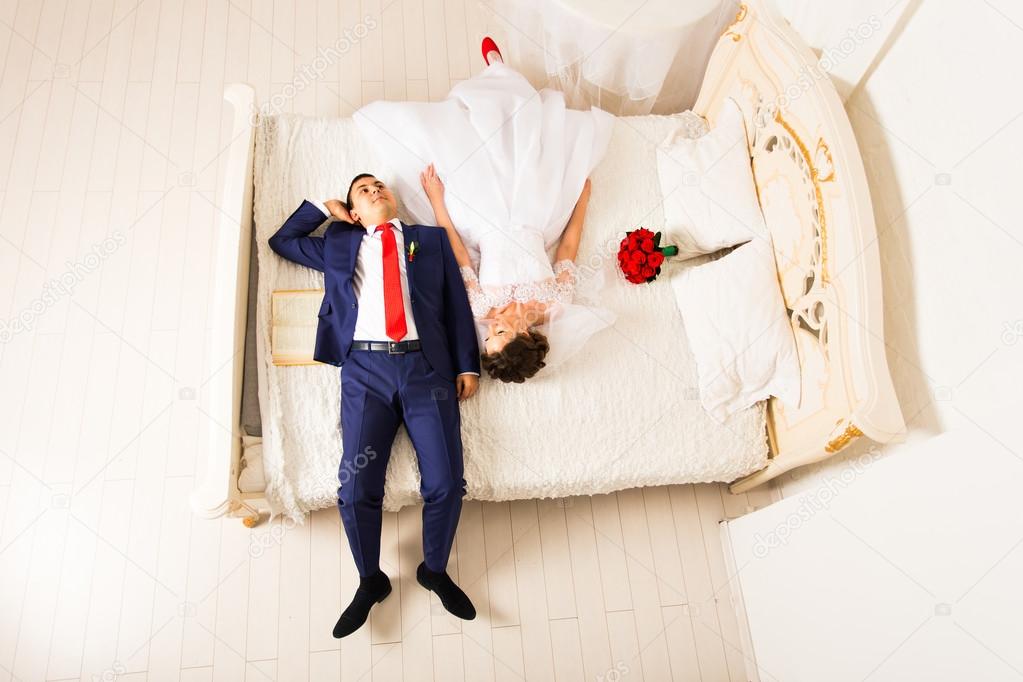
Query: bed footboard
{"x": 218, "y": 492}
{"x": 813, "y": 191}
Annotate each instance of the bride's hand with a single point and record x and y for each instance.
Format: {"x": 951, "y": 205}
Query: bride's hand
{"x": 432, "y": 184}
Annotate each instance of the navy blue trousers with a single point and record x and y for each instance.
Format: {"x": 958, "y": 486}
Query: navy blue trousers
{"x": 378, "y": 393}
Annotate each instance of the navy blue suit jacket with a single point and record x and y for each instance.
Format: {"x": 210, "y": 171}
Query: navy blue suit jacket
{"x": 437, "y": 295}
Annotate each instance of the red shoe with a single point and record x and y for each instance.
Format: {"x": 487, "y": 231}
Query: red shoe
{"x": 490, "y": 46}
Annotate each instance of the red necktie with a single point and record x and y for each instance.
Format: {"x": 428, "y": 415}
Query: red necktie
{"x": 394, "y": 309}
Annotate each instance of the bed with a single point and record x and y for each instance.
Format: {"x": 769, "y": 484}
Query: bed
{"x": 623, "y": 413}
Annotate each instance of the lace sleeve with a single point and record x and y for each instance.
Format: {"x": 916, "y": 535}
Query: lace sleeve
{"x": 565, "y": 276}
{"x": 477, "y": 297}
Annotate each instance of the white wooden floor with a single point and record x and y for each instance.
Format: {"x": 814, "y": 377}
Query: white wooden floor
{"x": 112, "y": 133}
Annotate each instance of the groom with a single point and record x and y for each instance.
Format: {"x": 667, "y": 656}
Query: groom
{"x": 396, "y": 318}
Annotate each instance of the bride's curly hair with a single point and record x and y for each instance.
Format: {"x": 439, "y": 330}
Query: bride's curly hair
{"x": 520, "y": 359}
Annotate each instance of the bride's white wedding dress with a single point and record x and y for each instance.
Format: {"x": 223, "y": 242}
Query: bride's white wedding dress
{"x": 513, "y": 161}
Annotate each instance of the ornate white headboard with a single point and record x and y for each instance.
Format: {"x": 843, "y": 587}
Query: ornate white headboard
{"x": 813, "y": 192}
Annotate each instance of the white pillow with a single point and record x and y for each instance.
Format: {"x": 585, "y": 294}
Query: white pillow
{"x": 738, "y": 330}
{"x": 710, "y": 199}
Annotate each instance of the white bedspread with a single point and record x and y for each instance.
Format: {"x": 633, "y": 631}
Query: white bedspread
{"x": 624, "y": 412}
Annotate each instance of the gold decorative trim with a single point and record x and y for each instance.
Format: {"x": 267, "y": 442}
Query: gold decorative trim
{"x": 841, "y": 440}
{"x": 816, "y": 189}
{"x": 829, "y": 165}
{"x": 739, "y": 16}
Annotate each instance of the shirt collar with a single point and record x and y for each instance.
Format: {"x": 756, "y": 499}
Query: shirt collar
{"x": 371, "y": 229}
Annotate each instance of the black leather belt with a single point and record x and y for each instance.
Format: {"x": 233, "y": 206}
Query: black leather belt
{"x": 389, "y": 347}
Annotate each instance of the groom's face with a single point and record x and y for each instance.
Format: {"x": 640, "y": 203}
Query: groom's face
{"x": 372, "y": 202}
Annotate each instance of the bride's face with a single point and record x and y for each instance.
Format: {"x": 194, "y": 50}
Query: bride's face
{"x": 498, "y": 336}
{"x": 504, "y": 325}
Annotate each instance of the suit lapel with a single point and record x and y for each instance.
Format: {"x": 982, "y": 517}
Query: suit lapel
{"x": 408, "y": 236}
{"x": 354, "y": 242}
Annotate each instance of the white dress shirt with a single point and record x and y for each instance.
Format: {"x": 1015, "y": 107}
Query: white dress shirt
{"x": 368, "y": 282}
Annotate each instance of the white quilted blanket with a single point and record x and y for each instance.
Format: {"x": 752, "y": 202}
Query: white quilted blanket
{"x": 624, "y": 412}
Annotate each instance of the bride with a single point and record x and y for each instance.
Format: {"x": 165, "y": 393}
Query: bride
{"x": 515, "y": 163}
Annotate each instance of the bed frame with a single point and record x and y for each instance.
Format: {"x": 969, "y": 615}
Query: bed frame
{"x": 812, "y": 186}
{"x": 813, "y": 190}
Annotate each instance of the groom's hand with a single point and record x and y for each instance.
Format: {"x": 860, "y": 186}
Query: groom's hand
{"x": 338, "y": 210}
{"x": 466, "y": 385}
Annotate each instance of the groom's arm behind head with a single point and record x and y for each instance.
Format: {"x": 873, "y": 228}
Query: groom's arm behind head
{"x": 292, "y": 240}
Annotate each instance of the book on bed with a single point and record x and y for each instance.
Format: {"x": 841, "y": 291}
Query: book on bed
{"x": 293, "y": 323}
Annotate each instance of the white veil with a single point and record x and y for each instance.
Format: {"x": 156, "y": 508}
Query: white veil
{"x": 571, "y": 324}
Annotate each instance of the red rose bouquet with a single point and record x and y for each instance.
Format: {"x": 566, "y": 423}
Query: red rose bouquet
{"x": 641, "y": 254}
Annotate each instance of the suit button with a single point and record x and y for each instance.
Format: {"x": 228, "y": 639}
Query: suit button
{"x": 354, "y": 304}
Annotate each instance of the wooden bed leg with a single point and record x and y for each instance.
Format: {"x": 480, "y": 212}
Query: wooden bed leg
{"x": 777, "y": 466}
{"x": 757, "y": 478}
{"x": 252, "y": 519}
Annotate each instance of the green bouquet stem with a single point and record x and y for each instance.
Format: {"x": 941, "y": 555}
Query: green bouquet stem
{"x": 669, "y": 251}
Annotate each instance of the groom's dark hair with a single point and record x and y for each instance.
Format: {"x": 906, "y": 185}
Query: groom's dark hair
{"x": 348, "y": 197}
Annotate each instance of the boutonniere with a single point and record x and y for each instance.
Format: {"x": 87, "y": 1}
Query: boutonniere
{"x": 413, "y": 249}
